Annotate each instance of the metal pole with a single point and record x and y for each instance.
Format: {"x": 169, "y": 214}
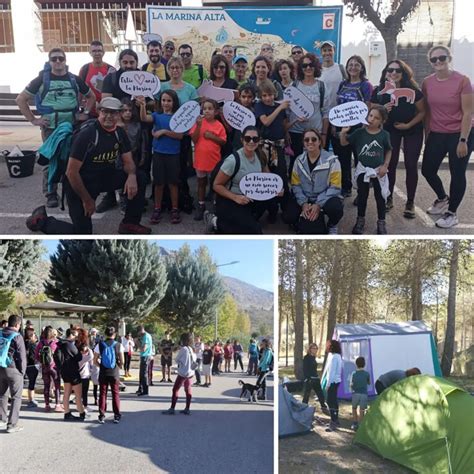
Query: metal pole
{"x": 286, "y": 340}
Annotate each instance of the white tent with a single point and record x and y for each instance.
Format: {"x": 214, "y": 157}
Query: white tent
{"x": 294, "y": 417}
{"x": 385, "y": 347}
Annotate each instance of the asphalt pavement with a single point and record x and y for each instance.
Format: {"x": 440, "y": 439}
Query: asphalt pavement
{"x": 222, "y": 434}
{"x": 21, "y": 195}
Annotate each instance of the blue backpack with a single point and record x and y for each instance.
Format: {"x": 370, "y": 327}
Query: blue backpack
{"x": 107, "y": 355}
{"x": 5, "y": 342}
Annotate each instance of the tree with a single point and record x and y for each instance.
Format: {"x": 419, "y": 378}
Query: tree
{"x": 299, "y": 311}
{"x": 194, "y": 293}
{"x": 396, "y": 13}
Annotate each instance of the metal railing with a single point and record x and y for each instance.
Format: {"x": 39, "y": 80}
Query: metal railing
{"x": 6, "y": 29}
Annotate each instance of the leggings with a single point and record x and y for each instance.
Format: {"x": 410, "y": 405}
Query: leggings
{"x": 363, "y": 195}
{"x": 237, "y": 361}
{"x": 344, "y": 153}
{"x": 32, "y": 374}
{"x": 332, "y": 401}
{"x": 411, "y": 149}
{"x": 314, "y": 383}
{"x": 187, "y": 388}
{"x": 85, "y": 390}
{"x": 436, "y": 148}
{"x": 128, "y": 359}
{"x": 51, "y": 374}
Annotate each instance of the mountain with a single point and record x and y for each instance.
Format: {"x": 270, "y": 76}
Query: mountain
{"x": 366, "y": 148}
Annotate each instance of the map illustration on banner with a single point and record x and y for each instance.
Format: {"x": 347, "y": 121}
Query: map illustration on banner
{"x": 246, "y": 28}
{"x": 138, "y": 83}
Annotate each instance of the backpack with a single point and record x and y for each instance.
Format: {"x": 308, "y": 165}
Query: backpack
{"x": 343, "y": 87}
{"x": 46, "y": 355}
{"x": 216, "y": 169}
{"x": 343, "y": 72}
{"x": 108, "y": 358}
{"x": 58, "y": 356}
{"x": 5, "y": 342}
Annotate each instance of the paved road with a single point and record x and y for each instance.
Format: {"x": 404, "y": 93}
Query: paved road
{"x": 20, "y": 196}
{"x": 222, "y": 434}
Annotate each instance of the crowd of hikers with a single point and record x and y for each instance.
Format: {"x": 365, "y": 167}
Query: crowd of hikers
{"x": 76, "y": 358}
{"x": 126, "y": 143}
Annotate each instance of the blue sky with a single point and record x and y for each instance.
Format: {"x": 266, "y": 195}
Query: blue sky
{"x": 255, "y": 257}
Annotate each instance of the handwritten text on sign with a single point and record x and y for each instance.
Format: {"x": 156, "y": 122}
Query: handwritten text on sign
{"x": 238, "y": 116}
{"x": 300, "y": 105}
{"x": 261, "y": 186}
{"x": 136, "y": 83}
{"x": 348, "y": 114}
{"x": 185, "y": 117}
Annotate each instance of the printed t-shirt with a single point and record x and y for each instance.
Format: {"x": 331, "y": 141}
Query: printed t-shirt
{"x": 444, "y": 101}
{"x": 246, "y": 166}
{"x": 370, "y": 148}
{"x": 164, "y": 144}
{"x": 207, "y": 356}
{"x": 207, "y": 153}
{"x": 166, "y": 347}
{"x": 101, "y": 157}
{"x": 192, "y": 76}
{"x": 276, "y": 130}
{"x": 350, "y": 92}
{"x": 94, "y": 77}
{"x": 186, "y": 93}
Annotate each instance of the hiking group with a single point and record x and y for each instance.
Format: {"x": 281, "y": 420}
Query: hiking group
{"x": 126, "y": 143}
{"x": 79, "y": 357}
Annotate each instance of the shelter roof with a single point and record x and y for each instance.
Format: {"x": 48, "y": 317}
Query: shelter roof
{"x": 379, "y": 329}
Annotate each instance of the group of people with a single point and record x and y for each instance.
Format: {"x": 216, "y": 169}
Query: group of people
{"x": 131, "y": 137}
{"x": 359, "y": 383}
{"x": 76, "y": 357}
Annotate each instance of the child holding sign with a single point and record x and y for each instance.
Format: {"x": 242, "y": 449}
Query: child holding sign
{"x": 208, "y": 135}
{"x": 166, "y": 149}
{"x": 374, "y": 151}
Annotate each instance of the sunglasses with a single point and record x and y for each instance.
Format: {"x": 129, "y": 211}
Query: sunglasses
{"x": 297, "y": 52}
{"x": 109, "y": 112}
{"x": 398, "y": 70}
{"x": 310, "y": 139}
{"x": 171, "y": 48}
{"x": 248, "y": 139}
{"x": 441, "y": 58}
{"x": 185, "y": 55}
{"x": 221, "y": 67}
{"x": 307, "y": 65}
{"x": 55, "y": 59}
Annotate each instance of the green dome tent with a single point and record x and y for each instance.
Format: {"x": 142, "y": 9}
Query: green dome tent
{"x": 425, "y": 423}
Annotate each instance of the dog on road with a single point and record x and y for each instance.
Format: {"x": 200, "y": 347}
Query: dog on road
{"x": 249, "y": 391}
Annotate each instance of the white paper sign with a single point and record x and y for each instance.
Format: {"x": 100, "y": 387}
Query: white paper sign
{"x": 147, "y": 37}
{"x": 136, "y": 83}
{"x": 348, "y": 114}
{"x": 238, "y": 116}
{"x": 300, "y": 105}
{"x": 210, "y": 91}
{"x": 185, "y": 117}
{"x": 261, "y": 186}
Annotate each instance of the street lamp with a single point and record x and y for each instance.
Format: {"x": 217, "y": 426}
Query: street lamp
{"x": 217, "y": 266}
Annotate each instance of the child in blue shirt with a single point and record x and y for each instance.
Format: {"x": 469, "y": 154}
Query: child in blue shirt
{"x": 360, "y": 380}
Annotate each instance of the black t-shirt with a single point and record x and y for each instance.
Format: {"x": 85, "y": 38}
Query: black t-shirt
{"x": 276, "y": 130}
{"x": 34, "y": 86}
{"x": 166, "y": 347}
{"x": 111, "y": 85}
{"x": 71, "y": 358}
{"x": 207, "y": 356}
{"x": 100, "y": 157}
{"x": 404, "y": 112}
{"x": 310, "y": 366}
{"x": 230, "y": 84}
{"x": 311, "y": 165}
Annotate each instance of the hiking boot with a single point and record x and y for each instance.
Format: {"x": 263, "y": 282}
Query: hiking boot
{"x": 101, "y": 419}
{"x": 52, "y": 200}
{"x": 137, "y": 229}
{"x": 14, "y": 428}
{"x": 381, "y": 227}
{"x": 117, "y": 419}
{"x": 175, "y": 217}
{"x": 448, "y": 220}
{"x": 108, "y": 202}
{"x": 409, "y": 211}
{"x": 155, "y": 216}
{"x": 332, "y": 230}
{"x": 209, "y": 221}
{"x": 199, "y": 214}
{"x": 70, "y": 417}
{"x": 170, "y": 411}
{"x": 82, "y": 416}
{"x": 32, "y": 404}
{"x": 389, "y": 203}
{"x": 359, "y": 226}
{"x": 438, "y": 207}
{"x": 37, "y": 219}
{"x": 186, "y": 411}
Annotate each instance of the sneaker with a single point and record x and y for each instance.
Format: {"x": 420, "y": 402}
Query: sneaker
{"x": 170, "y": 411}
{"x": 346, "y": 193}
{"x": 354, "y": 426}
{"x": 155, "y": 216}
{"x": 32, "y": 404}
{"x": 381, "y": 227}
{"x": 162, "y": 380}
{"x": 14, "y": 428}
{"x": 170, "y": 381}
{"x": 37, "y": 219}
{"x": 205, "y": 385}
{"x": 389, "y": 203}
{"x": 186, "y": 411}
{"x": 101, "y": 419}
{"x": 175, "y": 217}
{"x": 209, "y": 221}
{"x": 59, "y": 409}
{"x": 128, "y": 228}
{"x": 448, "y": 220}
{"x": 108, "y": 202}
{"x": 438, "y": 207}
{"x": 52, "y": 200}
{"x": 3, "y": 425}
{"x": 82, "y": 416}
{"x": 332, "y": 230}
{"x": 142, "y": 394}
{"x": 70, "y": 417}
{"x": 199, "y": 214}
{"x": 117, "y": 419}
{"x": 359, "y": 226}
{"x": 409, "y": 211}
{"x": 196, "y": 384}
{"x": 331, "y": 427}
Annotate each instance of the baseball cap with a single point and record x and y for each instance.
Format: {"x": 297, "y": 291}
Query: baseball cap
{"x": 110, "y": 103}
{"x": 240, "y": 57}
{"x": 330, "y": 43}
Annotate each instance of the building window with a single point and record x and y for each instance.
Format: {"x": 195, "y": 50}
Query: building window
{"x": 6, "y": 29}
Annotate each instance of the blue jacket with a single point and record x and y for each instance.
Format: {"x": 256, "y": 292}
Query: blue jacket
{"x": 266, "y": 360}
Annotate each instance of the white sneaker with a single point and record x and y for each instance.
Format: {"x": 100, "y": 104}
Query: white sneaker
{"x": 448, "y": 220}
{"x": 438, "y": 207}
{"x": 332, "y": 230}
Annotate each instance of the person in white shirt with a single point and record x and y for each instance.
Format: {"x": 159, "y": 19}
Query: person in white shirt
{"x": 128, "y": 346}
{"x": 334, "y": 370}
{"x": 198, "y": 349}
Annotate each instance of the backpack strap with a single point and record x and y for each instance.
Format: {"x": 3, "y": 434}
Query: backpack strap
{"x": 46, "y": 81}
{"x": 322, "y": 90}
{"x": 343, "y": 72}
{"x": 84, "y": 71}
{"x": 200, "y": 72}
{"x": 237, "y": 166}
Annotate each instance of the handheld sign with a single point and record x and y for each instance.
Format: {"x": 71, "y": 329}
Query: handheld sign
{"x": 185, "y": 117}
{"x": 348, "y": 114}
{"x": 261, "y": 186}
{"x": 210, "y": 91}
{"x": 300, "y": 105}
{"x": 238, "y": 116}
{"x": 136, "y": 83}
{"x": 396, "y": 94}
{"x": 147, "y": 37}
